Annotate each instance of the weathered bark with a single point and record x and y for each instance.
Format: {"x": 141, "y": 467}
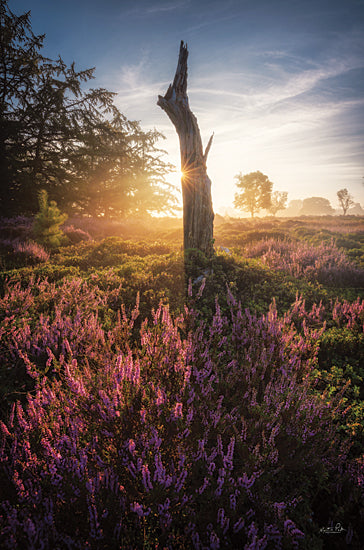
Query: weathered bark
{"x": 198, "y": 215}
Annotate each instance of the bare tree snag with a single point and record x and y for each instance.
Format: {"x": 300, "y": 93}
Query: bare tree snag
{"x": 198, "y": 215}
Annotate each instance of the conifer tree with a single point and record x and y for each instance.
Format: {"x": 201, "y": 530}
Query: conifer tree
{"x": 72, "y": 142}
{"x": 46, "y": 227}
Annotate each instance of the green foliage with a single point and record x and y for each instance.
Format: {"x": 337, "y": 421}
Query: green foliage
{"x": 109, "y": 252}
{"x": 47, "y": 222}
{"x": 156, "y": 270}
{"x": 116, "y": 270}
{"x": 341, "y": 364}
{"x": 72, "y": 142}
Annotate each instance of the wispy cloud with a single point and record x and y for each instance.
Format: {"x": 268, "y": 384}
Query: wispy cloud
{"x": 131, "y": 75}
{"x": 282, "y": 85}
{"x": 147, "y": 9}
{"x": 208, "y": 22}
{"x": 287, "y": 115}
{"x": 283, "y": 124}
{"x": 163, "y": 7}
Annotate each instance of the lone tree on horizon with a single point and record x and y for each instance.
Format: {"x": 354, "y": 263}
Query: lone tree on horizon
{"x": 254, "y": 192}
{"x": 198, "y": 215}
{"x": 345, "y": 200}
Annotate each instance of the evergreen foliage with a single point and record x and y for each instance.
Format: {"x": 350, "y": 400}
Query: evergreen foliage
{"x": 72, "y": 142}
{"x": 47, "y": 222}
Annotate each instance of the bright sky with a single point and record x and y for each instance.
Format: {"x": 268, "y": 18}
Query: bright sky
{"x": 279, "y": 82}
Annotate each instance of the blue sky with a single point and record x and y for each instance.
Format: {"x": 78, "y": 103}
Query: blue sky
{"x": 279, "y": 82}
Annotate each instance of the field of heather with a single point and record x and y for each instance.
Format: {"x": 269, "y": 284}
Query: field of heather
{"x": 151, "y": 400}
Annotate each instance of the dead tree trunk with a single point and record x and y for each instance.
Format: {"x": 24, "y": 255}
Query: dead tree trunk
{"x": 198, "y": 215}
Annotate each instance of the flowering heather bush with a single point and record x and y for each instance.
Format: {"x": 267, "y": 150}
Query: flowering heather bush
{"x": 32, "y": 251}
{"x": 166, "y": 433}
{"x": 324, "y": 263}
{"x": 28, "y": 252}
{"x": 76, "y": 235}
{"x": 349, "y": 315}
{"x": 341, "y": 360}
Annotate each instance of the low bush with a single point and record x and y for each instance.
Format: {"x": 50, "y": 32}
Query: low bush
{"x": 237, "y": 427}
{"x": 76, "y": 235}
{"x": 47, "y": 222}
{"x": 16, "y": 253}
{"x": 324, "y": 263}
{"x": 169, "y": 432}
{"x": 109, "y": 252}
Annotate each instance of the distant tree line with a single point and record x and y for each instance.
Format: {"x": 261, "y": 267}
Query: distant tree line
{"x": 255, "y": 194}
{"x": 71, "y": 142}
{"x": 320, "y": 206}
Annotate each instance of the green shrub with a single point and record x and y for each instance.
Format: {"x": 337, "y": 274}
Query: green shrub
{"x": 46, "y": 227}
